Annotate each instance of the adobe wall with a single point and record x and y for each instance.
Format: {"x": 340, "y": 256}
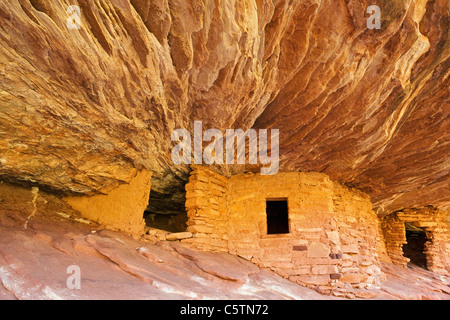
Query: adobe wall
{"x": 121, "y": 209}
{"x": 334, "y": 234}
{"x": 434, "y": 222}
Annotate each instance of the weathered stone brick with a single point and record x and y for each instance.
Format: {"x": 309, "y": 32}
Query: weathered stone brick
{"x": 318, "y": 250}
{"x": 350, "y": 248}
{"x": 317, "y": 280}
{"x": 324, "y": 269}
{"x": 353, "y": 278}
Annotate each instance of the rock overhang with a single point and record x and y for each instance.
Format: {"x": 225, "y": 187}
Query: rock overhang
{"x": 367, "y": 107}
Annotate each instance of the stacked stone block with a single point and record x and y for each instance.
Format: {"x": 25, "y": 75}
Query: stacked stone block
{"x": 434, "y": 222}
{"x": 206, "y": 210}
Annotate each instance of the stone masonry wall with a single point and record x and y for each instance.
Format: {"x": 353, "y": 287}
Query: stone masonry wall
{"x": 359, "y": 238}
{"x": 333, "y": 239}
{"x": 433, "y": 221}
{"x": 206, "y": 194}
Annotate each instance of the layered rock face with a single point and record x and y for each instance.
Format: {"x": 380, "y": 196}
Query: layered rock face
{"x": 83, "y": 110}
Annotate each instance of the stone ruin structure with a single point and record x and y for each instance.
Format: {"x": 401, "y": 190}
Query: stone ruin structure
{"x": 88, "y": 114}
{"x": 435, "y": 244}
{"x": 330, "y": 238}
{"x": 302, "y": 225}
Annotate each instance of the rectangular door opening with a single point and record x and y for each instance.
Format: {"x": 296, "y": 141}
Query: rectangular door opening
{"x": 166, "y": 207}
{"x": 277, "y": 216}
{"x": 414, "y": 249}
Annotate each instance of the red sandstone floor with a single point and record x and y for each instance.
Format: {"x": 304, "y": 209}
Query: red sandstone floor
{"x": 34, "y": 262}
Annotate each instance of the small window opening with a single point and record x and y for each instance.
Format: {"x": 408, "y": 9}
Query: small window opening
{"x": 414, "y": 249}
{"x": 277, "y": 216}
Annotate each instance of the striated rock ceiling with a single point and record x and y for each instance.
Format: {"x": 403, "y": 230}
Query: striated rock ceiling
{"x": 82, "y": 109}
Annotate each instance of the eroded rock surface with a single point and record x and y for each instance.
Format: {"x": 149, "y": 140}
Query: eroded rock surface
{"x": 82, "y": 109}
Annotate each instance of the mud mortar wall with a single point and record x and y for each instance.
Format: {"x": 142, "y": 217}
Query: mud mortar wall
{"x": 121, "y": 209}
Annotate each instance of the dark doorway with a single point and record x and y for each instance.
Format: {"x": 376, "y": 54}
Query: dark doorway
{"x": 414, "y": 249}
{"x": 166, "y": 205}
{"x": 277, "y": 216}
{"x": 167, "y": 222}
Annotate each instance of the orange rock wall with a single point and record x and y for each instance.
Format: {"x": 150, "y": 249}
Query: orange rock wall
{"x": 334, "y": 233}
{"x": 80, "y": 108}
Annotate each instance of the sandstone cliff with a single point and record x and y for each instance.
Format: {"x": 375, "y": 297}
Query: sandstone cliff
{"x": 81, "y": 110}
